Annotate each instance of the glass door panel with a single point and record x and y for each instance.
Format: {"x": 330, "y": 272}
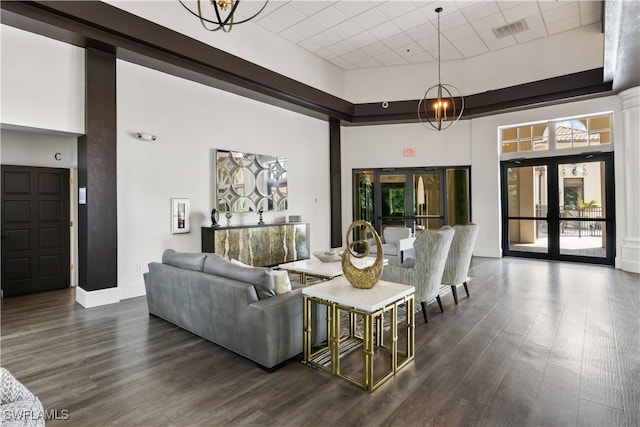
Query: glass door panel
{"x": 581, "y": 192}
{"x": 428, "y": 201}
{"x": 458, "y": 192}
{"x": 363, "y": 196}
{"x": 363, "y": 202}
{"x": 527, "y": 228}
{"x": 392, "y": 200}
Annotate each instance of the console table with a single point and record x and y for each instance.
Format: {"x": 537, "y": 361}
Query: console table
{"x": 259, "y": 245}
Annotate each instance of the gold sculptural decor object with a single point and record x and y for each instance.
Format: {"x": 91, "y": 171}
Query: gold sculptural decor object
{"x": 363, "y": 278}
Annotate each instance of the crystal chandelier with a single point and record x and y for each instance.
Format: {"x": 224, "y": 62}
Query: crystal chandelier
{"x": 442, "y": 104}
{"x": 222, "y": 15}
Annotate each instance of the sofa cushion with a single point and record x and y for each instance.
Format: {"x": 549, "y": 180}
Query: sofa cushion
{"x": 261, "y": 278}
{"x": 283, "y": 284}
{"x": 189, "y": 261}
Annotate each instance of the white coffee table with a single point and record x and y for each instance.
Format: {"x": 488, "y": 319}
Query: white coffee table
{"x": 369, "y": 305}
{"x": 313, "y": 267}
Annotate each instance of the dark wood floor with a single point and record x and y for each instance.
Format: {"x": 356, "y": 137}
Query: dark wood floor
{"x": 538, "y": 343}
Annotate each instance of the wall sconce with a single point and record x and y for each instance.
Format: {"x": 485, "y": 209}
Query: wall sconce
{"x": 145, "y": 136}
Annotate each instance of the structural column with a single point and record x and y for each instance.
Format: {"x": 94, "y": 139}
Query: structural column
{"x": 630, "y": 257}
{"x": 335, "y": 182}
{"x": 97, "y": 205}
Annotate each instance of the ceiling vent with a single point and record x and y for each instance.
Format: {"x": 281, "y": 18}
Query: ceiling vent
{"x": 510, "y": 29}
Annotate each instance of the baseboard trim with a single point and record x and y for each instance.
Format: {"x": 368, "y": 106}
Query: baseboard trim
{"x": 487, "y": 252}
{"x": 630, "y": 259}
{"x": 89, "y": 299}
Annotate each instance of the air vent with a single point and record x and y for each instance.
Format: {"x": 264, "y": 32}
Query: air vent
{"x": 510, "y": 29}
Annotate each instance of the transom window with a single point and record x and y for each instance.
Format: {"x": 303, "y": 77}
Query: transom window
{"x": 557, "y": 135}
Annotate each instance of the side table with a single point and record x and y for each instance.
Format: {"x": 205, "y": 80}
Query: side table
{"x": 370, "y": 350}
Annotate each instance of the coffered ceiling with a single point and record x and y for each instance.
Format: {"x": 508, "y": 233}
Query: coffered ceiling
{"x": 355, "y": 34}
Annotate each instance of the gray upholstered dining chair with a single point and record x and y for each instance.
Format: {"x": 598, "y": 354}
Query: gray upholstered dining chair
{"x": 425, "y": 270}
{"x": 456, "y": 269}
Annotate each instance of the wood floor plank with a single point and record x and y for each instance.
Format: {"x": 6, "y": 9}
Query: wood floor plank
{"x": 600, "y": 379}
{"x": 537, "y": 343}
{"x": 592, "y": 414}
{"x": 556, "y": 401}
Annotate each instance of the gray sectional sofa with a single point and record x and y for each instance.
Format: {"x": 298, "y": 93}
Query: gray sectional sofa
{"x": 230, "y": 304}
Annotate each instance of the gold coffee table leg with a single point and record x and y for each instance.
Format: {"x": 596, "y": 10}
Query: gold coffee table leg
{"x": 368, "y": 352}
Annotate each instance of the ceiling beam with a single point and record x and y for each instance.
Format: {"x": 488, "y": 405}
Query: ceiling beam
{"x": 556, "y": 89}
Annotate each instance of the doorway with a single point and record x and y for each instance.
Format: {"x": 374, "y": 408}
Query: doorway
{"x": 559, "y": 208}
{"x": 35, "y": 229}
{"x": 418, "y": 198}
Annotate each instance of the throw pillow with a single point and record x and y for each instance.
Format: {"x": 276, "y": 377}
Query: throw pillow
{"x": 283, "y": 284}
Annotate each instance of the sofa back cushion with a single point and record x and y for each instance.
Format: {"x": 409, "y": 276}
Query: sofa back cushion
{"x": 189, "y": 261}
{"x": 261, "y": 278}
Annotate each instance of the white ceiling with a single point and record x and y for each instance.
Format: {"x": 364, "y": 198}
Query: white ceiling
{"x": 355, "y": 34}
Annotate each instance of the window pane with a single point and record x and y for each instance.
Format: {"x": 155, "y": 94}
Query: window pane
{"x": 527, "y": 191}
{"x": 540, "y": 144}
{"x": 525, "y": 145}
{"x": 601, "y": 138}
{"x": 596, "y": 123}
{"x": 581, "y": 190}
{"x": 528, "y": 235}
{"x": 508, "y": 134}
{"x": 581, "y": 142}
{"x": 525, "y": 132}
{"x": 510, "y": 147}
{"x": 539, "y": 130}
{"x": 583, "y": 238}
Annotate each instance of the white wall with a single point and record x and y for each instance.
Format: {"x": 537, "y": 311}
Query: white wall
{"x": 42, "y": 82}
{"x": 38, "y": 149}
{"x": 472, "y": 142}
{"x": 248, "y": 41}
{"x": 564, "y": 53}
{"x": 191, "y": 121}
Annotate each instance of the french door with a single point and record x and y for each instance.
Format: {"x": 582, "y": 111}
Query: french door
{"x": 418, "y": 198}
{"x": 559, "y": 208}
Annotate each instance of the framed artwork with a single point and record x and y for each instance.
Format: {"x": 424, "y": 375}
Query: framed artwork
{"x": 179, "y": 216}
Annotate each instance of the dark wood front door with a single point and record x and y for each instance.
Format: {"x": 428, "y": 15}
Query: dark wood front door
{"x": 35, "y": 229}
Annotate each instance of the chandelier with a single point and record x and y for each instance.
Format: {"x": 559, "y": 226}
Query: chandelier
{"x": 221, "y": 17}
{"x": 448, "y": 103}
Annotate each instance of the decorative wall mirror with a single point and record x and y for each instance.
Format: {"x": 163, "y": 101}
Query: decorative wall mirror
{"x": 247, "y": 182}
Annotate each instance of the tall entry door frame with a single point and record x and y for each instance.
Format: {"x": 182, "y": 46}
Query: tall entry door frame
{"x": 417, "y": 198}
{"x": 559, "y": 208}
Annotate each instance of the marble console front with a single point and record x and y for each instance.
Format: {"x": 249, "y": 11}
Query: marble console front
{"x": 259, "y": 245}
